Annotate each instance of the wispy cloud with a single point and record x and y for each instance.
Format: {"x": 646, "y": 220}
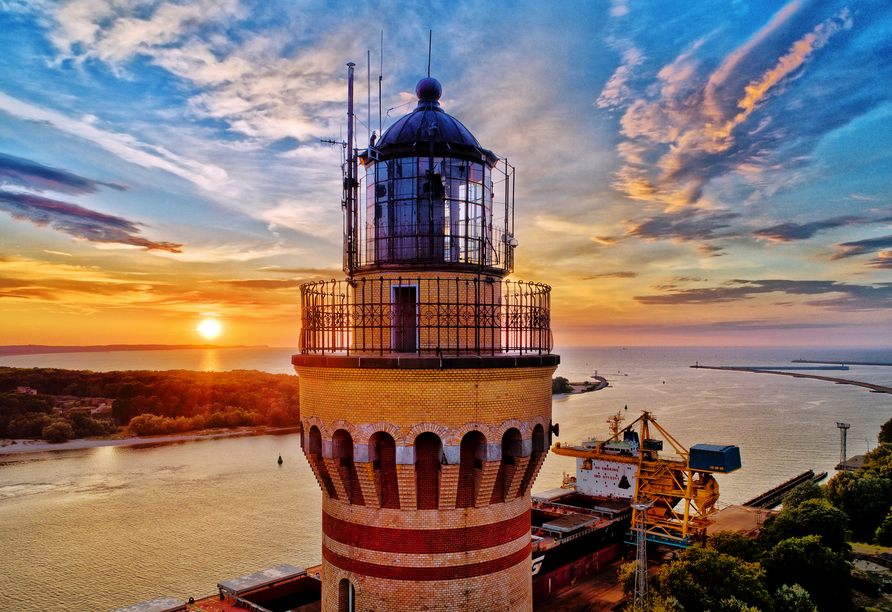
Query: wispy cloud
{"x": 689, "y": 127}
{"x": 31, "y": 175}
{"x": 840, "y": 296}
{"x": 860, "y": 247}
{"x": 78, "y": 221}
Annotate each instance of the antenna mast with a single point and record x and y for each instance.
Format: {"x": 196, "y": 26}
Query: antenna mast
{"x": 351, "y": 173}
{"x": 380, "y": 82}
{"x": 430, "y": 43}
{"x": 368, "y": 86}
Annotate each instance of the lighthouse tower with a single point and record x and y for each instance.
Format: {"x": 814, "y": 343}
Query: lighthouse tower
{"x": 426, "y": 378}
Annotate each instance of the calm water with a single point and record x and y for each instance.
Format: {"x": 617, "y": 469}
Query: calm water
{"x": 103, "y": 528}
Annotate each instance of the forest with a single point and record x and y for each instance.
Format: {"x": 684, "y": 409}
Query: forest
{"x": 144, "y": 402}
{"x": 799, "y": 562}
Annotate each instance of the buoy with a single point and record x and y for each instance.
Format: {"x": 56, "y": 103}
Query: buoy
{"x": 280, "y": 460}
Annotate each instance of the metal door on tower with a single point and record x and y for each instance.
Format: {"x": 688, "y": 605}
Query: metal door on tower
{"x": 405, "y": 319}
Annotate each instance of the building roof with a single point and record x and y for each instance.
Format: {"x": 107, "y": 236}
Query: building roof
{"x": 243, "y": 584}
{"x": 428, "y": 122}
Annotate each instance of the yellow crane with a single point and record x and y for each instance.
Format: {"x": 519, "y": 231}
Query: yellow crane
{"x": 682, "y": 488}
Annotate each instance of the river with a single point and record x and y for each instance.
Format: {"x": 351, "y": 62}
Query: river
{"x": 102, "y": 528}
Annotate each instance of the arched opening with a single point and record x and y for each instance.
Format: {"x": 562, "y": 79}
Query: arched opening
{"x": 473, "y": 448}
{"x": 512, "y": 447}
{"x": 342, "y": 451}
{"x": 313, "y": 450}
{"x": 540, "y": 447}
{"x": 346, "y": 596}
{"x": 428, "y": 457}
{"x": 382, "y": 453}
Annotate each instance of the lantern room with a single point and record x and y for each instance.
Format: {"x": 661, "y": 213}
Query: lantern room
{"x": 431, "y": 197}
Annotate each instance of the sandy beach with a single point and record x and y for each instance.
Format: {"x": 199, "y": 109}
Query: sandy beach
{"x": 41, "y": 446}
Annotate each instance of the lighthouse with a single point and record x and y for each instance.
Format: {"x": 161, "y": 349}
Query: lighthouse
{"x": 425, "y": 378}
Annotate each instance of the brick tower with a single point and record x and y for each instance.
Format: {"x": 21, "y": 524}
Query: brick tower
{"x": 426, "y": 378}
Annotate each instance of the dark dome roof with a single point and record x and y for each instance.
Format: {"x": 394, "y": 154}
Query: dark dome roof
{"x": 428, "y": 122}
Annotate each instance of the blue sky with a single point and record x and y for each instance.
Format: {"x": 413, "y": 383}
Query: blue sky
{"x": 717, "y": 173}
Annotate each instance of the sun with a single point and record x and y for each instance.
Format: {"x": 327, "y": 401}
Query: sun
{"x": 209, "y": 328}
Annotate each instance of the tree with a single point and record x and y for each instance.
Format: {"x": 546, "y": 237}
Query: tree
{"x": 58, "y": 431}
{"x": 817, "y": 569}
{"x": 883, "y": 534}
{"x": 802, "y": 492}
{"x": 865, "y": 499}
{"x": 702, "y": 578}
{"x": 793, "y": 599}
{"x": 559, "y": 384}
{"x": 812, "y": 517}
{"x": 885, "y": 434}
{"x": 734, "y": 544}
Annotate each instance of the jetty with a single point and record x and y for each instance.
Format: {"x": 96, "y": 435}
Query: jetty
{"x": 773, "y": 497}
{"x": 855, "y": 363}
{"x": 839, "y": 381}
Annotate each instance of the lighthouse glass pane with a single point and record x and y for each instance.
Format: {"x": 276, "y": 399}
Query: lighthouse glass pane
{"x": 416, "y": 210}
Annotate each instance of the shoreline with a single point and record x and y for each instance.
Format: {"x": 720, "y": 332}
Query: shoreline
{"x": 42, "y": 446}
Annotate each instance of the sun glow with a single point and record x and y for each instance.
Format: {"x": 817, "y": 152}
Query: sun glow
{"x": 209, "y": 328}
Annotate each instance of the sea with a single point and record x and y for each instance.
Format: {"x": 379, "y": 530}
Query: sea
{"x": 100, "y": 529}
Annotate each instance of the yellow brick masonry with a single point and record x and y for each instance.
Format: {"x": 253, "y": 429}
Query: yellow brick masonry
{"x": 413, "y": 560}
{"x": 425, "y": 519}
{"x": 448, "y": 399}
{"x": 510, "y": 590}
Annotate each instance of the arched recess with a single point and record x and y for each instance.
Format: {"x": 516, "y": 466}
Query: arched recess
{"x": 313, "y": 450}
{"x": 540, "y": 448}
{"x": 512, "y": 447}
{"x": 473, "y": 451}
{"x": 346, "y": 596}
{"x": 342, "y": 451}
{"x": 428, "y": 458}
{"x": 382, "y": 454}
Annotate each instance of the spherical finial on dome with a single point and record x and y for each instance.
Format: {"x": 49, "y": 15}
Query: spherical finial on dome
{"x": 428, "y": 90}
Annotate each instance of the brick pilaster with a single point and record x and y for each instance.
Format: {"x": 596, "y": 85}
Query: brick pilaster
{"x": 487, "y": 480}
{"x": 405, "y": 476}
{"x": 448, "y": 486}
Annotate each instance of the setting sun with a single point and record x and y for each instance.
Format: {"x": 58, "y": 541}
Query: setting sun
{"x": 209, "y": 328}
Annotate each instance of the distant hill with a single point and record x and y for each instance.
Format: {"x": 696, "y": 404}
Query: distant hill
{"x": 37, "y": 349}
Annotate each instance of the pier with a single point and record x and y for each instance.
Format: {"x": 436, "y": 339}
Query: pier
{"x": 773, "y": 497}
{"x": 839, "y": 381}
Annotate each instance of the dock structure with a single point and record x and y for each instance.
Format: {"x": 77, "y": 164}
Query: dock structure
{"x": 773, "y": 497}
{"x": 839, "y": 381}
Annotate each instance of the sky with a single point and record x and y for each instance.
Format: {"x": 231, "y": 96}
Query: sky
{"x": 704, "y": 173}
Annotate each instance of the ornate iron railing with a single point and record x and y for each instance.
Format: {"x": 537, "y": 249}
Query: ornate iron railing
{"x": 425, "y": 316}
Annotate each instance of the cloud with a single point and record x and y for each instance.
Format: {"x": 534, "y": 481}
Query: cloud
{"x": 77, "y": 221}
{"x": 265, "y": 283}
{"x": 31, "y": 175}
{"x": 841, "y": 296}
{"x": 859, "y": 247}
{"x": 125, "y": 146}
{"x": 788, "y": 232}
{"x": 688, "y": 126}
{"x": 883, "y": 260}
{"x": 685, "y": 225}
{"x": 610, "y": 275}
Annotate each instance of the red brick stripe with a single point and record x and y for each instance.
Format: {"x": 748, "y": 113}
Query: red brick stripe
{"x": 426, "y": 541}
{"x": 419, "y": 574}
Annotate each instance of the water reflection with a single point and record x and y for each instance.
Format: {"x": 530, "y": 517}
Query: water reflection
{"x": 210, "y": 361}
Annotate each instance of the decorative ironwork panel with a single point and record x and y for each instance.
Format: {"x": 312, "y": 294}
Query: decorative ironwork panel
{"x": 425, "y": 316}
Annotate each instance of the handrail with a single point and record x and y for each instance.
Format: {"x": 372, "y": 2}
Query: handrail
{"x": 425, "y": 316}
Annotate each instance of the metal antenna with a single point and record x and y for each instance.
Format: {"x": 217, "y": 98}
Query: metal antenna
{"x": 368, "y": 85}
{"x": 380, "y": 83}
{"x": 430, "y": 43}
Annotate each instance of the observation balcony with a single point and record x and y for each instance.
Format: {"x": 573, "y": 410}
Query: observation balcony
{"x": 424, "y": 316}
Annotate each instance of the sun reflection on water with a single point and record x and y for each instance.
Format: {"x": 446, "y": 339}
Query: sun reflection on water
{"x": 210, "y": 361}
